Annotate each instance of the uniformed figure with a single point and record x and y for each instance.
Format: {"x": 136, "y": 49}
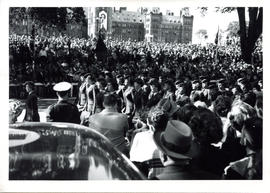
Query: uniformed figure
{"x": 31, "y": 103}
{"x": 63, "y": 111}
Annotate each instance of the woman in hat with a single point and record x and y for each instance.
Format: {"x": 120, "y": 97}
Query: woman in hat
{"x": 250, "y": 167}
{"x": 143, "y": 151}
{"x": 155, "y": 94}
{"x": 207, "y": 129}
{"x": 169, "y": 89}
{"x": 239, "y": 113}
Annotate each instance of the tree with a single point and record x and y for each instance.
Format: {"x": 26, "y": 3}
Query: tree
{"x": 250, "y": 33}
{"x": 49, "y": 16}
{"x": 233, "y": 29}
{"x": 77, "y": 15}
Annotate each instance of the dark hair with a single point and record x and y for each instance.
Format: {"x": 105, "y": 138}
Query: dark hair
{"x": 91, "y": 77}
{"x": 249, "y": 98}
{"x": 186, "y": 112}
{"x": 130, "y": 80}
{"x": 222, "y": 105}
{"x": 171, "y": 84}
{"x": 30, "y": 84}
{"x": 102, "y": 81}
{"x": 110, "y": 100}
{"x": 214, "y": 94}
{"x": 113, "y": 83}
{"x": 63, "y": 93}
{"x": 253, "y": 130}
{"x": 206, "y": 126}
{"x": 139, "y": 81}
{"x": 121, "y": 79}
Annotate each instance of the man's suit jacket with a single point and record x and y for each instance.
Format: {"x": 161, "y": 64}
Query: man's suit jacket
{"x": 181, "y": 173}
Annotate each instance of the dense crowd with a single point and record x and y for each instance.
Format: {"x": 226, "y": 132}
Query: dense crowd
{"x": 178, "y": 111}
{"x": 64, "y": 58}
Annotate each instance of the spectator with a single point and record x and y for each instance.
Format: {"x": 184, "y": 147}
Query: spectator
{"x": 250, "y": 167}
{"x": 177, "y": 149}
{"x": 112, "y": 124}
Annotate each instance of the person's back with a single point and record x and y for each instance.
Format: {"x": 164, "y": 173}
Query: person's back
{"x": 110, "y": 123}
{"x": 63, "y": 111}
{"x": 174, "y": 172}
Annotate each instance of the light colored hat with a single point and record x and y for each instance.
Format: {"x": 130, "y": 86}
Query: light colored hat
{"x": 62, "y": 86}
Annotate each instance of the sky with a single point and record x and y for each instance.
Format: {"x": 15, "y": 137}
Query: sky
{"x": 210, "y": 22}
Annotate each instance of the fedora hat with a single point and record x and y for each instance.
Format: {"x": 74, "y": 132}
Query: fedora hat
{"x": 177, "y": 141}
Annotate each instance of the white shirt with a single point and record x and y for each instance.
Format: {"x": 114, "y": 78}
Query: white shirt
{"x": 143, "y": 146}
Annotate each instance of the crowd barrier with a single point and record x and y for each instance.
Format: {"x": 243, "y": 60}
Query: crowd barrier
{"x": 43, "y": 90}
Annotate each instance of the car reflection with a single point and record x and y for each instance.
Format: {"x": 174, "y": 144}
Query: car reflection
{"x": 61, "y": 151}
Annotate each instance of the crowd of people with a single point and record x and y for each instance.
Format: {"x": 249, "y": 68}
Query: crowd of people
{"x": 178, "y": 111}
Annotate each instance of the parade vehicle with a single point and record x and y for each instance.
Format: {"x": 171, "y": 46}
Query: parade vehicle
{"x": 65, "y": 151}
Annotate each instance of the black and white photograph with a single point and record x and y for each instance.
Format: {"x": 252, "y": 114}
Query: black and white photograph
{"x": 135, "y": 93}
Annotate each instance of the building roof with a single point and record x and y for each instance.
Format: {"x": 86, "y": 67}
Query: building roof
{"x": 128, "y": 16}
{"x": 170, "y": 19}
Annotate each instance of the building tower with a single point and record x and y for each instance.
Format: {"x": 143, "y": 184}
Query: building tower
{"x": 99, "y": 19}
{"x": 187, "y": 25}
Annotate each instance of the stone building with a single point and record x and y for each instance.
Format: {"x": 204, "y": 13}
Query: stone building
{"x": 140, "y": 25}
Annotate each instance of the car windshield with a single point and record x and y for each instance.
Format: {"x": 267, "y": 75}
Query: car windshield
{"x": 58, "y": 151}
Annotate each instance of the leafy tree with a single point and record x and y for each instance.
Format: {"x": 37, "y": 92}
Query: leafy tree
{"x": 49, "y": 16}
{"x": 77, "y": 15}
{"x": 250, "y": 33}
{"x": 16, "y": 13}
{"x": 233, "y": 29}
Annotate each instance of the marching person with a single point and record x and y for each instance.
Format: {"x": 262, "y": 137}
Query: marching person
{"x": 63, "y": 110}
{"x": 31, "y": 103}
{"x": 91, "y": 91}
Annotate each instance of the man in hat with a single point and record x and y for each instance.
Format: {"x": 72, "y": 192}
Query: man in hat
{"x": 31, "y": 113}
{"x": 63, "y": 111}
{"x": 177, "y": 149}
